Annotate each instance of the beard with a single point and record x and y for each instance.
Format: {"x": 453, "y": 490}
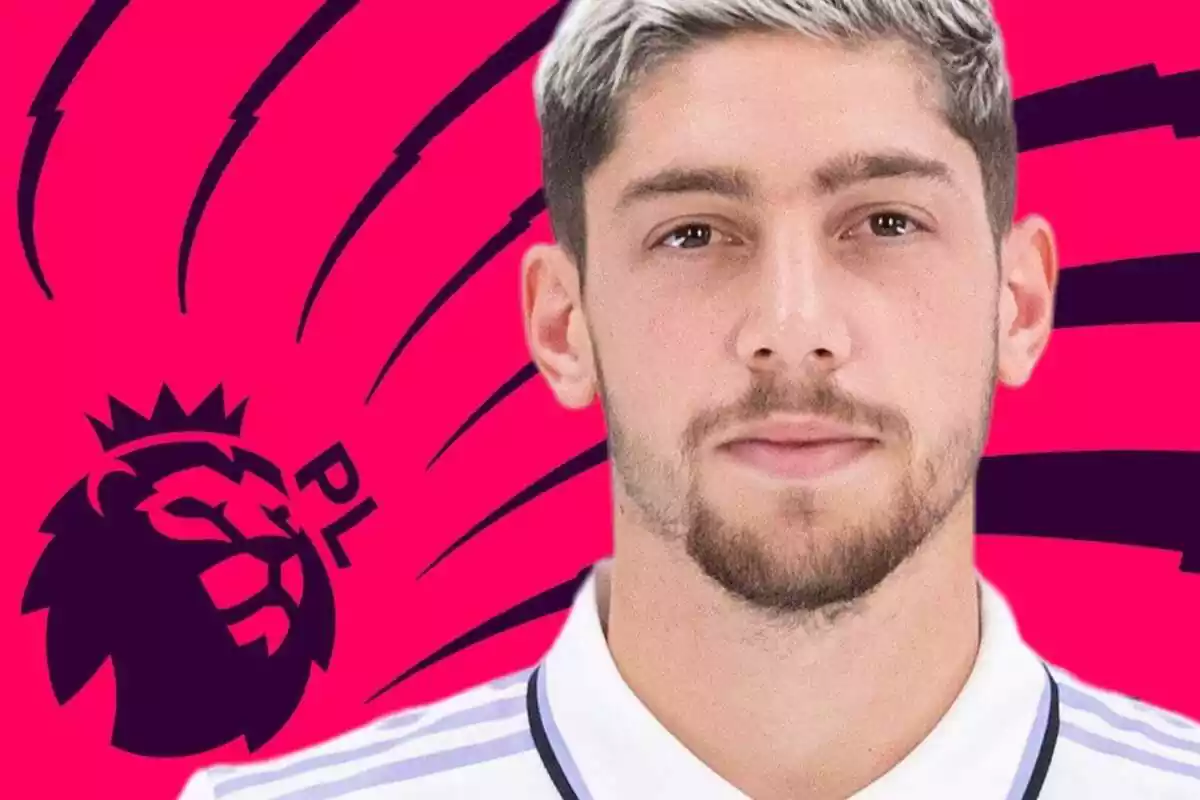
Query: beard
{"x": 846, "y": 553}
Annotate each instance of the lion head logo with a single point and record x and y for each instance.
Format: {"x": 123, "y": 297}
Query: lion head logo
{"x": 183, "y": 565}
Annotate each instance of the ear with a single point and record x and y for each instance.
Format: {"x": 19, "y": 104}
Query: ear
{"x": 1029, "y": 281}
{"x": 555, "y": 326}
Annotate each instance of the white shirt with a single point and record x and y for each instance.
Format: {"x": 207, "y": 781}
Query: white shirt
{"x": 481, "y": 743}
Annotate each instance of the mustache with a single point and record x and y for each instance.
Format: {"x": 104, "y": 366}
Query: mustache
{"x": 768, "y": 397}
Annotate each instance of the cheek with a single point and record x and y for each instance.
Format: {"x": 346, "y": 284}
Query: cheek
{"x": 939, "y": 349}
{"x": 658, "y": 368}
{"x": 646, "y": 366}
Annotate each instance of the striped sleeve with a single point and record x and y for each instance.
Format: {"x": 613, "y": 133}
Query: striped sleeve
{"x": 414, "y": 748}
{"x": 1141, "y": 737}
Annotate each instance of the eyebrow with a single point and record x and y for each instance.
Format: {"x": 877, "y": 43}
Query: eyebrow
{"x": 834, "y": 176}
{"x": 728, "y": 182}
{"x": 853, "y": 168}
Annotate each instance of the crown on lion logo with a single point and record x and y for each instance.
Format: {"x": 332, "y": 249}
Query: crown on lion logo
{"x": 168, "y": 417}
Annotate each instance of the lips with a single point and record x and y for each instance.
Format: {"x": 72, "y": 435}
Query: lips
{"x": 797, "y": 450}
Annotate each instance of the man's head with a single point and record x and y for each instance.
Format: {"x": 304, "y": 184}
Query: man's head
{"x": 795, "y": 222}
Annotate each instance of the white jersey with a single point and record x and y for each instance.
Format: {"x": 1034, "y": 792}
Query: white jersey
{"x": 571, "y": 728}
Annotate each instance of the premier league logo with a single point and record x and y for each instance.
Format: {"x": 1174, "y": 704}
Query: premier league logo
{"x": 183, "y": 563}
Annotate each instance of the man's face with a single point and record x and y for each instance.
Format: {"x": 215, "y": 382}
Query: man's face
{"x": 787, "y": 235}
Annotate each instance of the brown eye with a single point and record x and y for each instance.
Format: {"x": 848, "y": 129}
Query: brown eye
{"x": 891, "y": 224}
{"x": 689, "y": 237}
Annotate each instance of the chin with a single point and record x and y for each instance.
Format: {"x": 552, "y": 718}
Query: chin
{"x": 788, "y": 504}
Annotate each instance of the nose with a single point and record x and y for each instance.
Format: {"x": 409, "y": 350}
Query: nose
{"x": 796, "y": 319}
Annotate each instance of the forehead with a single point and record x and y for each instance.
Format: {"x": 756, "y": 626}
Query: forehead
{"x": 780, "y": 106}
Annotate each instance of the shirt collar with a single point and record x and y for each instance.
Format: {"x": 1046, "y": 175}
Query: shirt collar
{"x": 611, "y": 746}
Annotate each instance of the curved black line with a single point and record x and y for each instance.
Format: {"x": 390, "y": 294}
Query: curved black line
{"x": 232, "y": 140}
{"x": 594, "y": 456}
{"x": 541, "y": 740}
{"x": 27, "y": 186}
{"x": 1045, "y": 756}
{"x": 504, "y": 62}
{"x": 46, "y": 117}
{"x": 519, "y": 221}
{"x": 1103, "y": 105}
{"x": 1183, "y": 90}
{"x": 1118, "y": 102}
{"x": 244, "y": 120}
{"x": 247, "y": 608}
{"x": 302, "y": 42}
{"x": 522, "y": 376}
{"x": 1130, "y": 497}
{"x": 551, "y": 601}
{"x": 1151, "y": 289}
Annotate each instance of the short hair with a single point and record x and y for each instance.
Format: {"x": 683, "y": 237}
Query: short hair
{"x": 602, "y": 47}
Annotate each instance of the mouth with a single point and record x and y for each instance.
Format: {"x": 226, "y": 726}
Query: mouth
{"x": 797, "y": 451}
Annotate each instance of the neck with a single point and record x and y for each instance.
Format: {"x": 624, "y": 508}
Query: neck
{"x": 809, "y": 711}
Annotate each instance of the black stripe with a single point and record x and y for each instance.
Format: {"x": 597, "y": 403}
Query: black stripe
{"x": 244, "y": 119}
{"x": 1127, "y": 497}
{"x": 1042, "y": 766}
{"x": 523, "y": 376}
{"x": 498, "y": 66}
{"x": 47, "y": 115}
{"x": 1133, "y": 291}
{"x": 543, "y": 604}
{"x": 593, "y": 457}
{"x": 519, "y": 221}
{"x": 542, "y": 742}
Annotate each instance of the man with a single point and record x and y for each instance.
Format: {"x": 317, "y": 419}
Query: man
{"x": 787, "y": 263}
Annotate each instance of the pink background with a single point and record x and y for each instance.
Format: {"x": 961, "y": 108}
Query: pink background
{"x": 142, "y": 120}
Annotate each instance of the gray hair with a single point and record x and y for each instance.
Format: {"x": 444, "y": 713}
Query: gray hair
{"x": 602, "y": 47}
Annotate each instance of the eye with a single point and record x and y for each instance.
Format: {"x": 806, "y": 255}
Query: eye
{"x": 192, "y": 508}
{"x": 690, "y": 236}
{"x": 889, "y": 225}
